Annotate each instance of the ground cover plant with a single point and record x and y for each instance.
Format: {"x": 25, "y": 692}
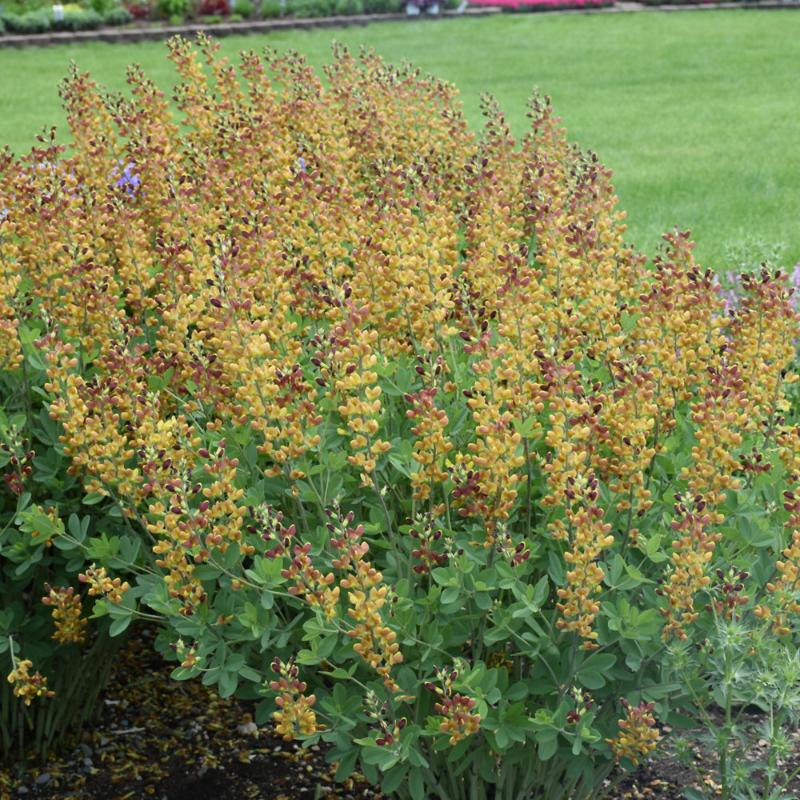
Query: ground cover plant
{"x": 384, "y": 421}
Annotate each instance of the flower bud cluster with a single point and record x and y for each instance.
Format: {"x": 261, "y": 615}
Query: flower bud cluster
{"x": 692, "y": 552}
{"x": 389, "y": 729}
{"x": 638, "y": 735}
{"x": 352, "y": 382}
{"x": 26, "y": 685}
{"x": 426, "y": 552}
{"x": 309, "y": 583}
{"x": 373, "y": 639}
{"x": 728, "y": 592}
{"x": 785, "y": 587}
{"x": 67, "y": 614}
{"x": 588, "y": 536}
{"x": 295, "y": 717}
{"x": 101, "y": 585}
{"x": 20, "y": 462}
{"x": 431, "y": 444}
{"x": 459, "y": 719}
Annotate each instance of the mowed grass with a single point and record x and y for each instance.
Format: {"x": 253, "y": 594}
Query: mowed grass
{"x": 696, "y": 112}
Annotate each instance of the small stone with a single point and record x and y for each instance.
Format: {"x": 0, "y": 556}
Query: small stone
{"x": 247, "y": 728}
{"x": 43, "y": 778}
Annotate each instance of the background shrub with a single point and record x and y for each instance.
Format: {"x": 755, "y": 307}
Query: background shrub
{"x": 118, "y": 16}
{"x": 24, "y": 6}
{"x": 169, "y": 9}
{"x": 39, "y": 21}
{"x": 244, "y": 8}
{"x": 270, "y": 9}
{"x": 383, "y": 6}
{"x": 348, "y": 7}
{"x": 310, "y": 8}
{"x": 104, "y": 7}
{"x": 79, "y": 20}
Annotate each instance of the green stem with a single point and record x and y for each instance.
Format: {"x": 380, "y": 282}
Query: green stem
{"x": 723, "y": 744}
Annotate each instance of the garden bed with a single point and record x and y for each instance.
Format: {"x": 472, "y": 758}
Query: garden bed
{"x": 156, "y": 31}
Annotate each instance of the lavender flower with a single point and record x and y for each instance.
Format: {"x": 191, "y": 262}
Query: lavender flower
{"x": 732, "y": 294}
{"x": 128, "y": 180}
{"x": 794, "y": 278}
{"x": 301, "y": 165}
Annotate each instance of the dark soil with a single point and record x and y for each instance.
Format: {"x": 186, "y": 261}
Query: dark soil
{"x": 165, "y": 740}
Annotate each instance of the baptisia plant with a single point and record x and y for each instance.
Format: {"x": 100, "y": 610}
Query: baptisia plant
{"x": 421, "y": 454}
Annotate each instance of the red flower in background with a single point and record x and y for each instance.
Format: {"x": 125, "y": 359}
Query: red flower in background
{"x": 214, "y": 7}
{"x": 139, "y": 9}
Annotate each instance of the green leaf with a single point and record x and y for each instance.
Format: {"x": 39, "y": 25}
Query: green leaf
{"x": 483, "y": 600}
{"x": 228, "y": 681}
{"x": 555, "y": 568}
{"x": 636, "y": 574}
{"x": 450, "y": 595}
{"x": 547, "y": 746}
{"x": 250, "y": 674}
{"x": 93, "y": 498}
{"x": 416, "y": 785}
{"x": 592, "y": 673}
{"x": 517, "y": 692}
{"x": 119, "y": 625}
{"x": 540, "y": 591}
{"x": 393, "y": 778}
{"x": 347, "y": 765}
{"x": 652, "y": 548}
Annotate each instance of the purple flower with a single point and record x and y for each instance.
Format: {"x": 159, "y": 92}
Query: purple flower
{"x": 794, "y": 278}
{"x": 729, "y": 291}
{"x": 128, "y": 180}
{"x": 301, "y": 164}
{"x": 794, "y": 284}
{"x": 3, "y": 214}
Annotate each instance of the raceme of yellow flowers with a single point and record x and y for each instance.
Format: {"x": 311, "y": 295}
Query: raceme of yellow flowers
{"x": 638, "y": 734}
{"x": 271, "y": 266}
{"x": 26, "y": 685}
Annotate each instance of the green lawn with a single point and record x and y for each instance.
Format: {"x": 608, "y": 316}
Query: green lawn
{"x": 696, "y": 112}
